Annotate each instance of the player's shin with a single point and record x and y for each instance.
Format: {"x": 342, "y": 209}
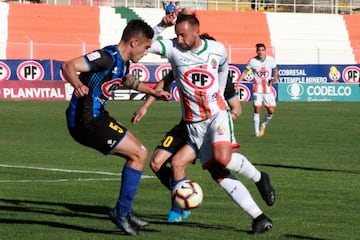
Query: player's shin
{"x": 173, "y": 183}
{"x": 130, "y": 180}
{"x": 164, "y": 175}
{"x": 240, "y": 195}
{"x": 241, "y": 165}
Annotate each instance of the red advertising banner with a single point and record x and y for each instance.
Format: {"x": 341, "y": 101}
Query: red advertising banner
{"x": 35, "y": 90}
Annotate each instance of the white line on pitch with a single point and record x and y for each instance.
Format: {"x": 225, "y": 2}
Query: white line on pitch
{"x": 58, "y": 180}
{"x": 66, "y": 170}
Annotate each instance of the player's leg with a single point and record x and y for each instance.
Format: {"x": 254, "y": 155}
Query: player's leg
{"x": 96, "y": 135}
{"x": 270, "y": 105}
{"x": 136, "y": 155}
{"x": 257, "y": 103}
{"x": 170, "y": 144}
{"x": 179, "y": 162}
{"x": 222, "y": 153}
{"x": 241, "y": 165}
{"x": 240, "y": 195}
{"x": 158, "y": 165}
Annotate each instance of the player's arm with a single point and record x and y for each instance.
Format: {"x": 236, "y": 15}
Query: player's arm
{"x": 243, "y": 75}
{"x": 276, "y": 74}
{"x": 97, "y": 60}
{"x": 235, "y": 106}
{"x": 232, "y": 99}
{"x": 223, "y": 72}
{"x": 134, "y": 83}
{"x": 70, "y": 70}
{"x": 161, "y": 85}
{"x": 167, "y": 21}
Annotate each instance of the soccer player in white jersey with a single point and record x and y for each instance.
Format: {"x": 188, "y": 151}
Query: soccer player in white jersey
{"x": 200, "y": 68}
{"x": 263, "y": 67}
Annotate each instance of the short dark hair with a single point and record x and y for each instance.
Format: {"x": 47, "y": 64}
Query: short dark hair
{"x": 207, "y": 36}
{"x": 191, "y": 18}
{"x": 135, "y": 28}
{"x": 259, "y": 45}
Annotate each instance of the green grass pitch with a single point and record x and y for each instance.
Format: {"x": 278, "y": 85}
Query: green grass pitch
{"x": 53, "y": 188}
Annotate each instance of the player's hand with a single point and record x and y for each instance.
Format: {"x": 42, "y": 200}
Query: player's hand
{"x": 168, "y": 20}
{"x": 138, "y": 115}
{"x": 164, "y": 95}
{"x": 81, "y": 91}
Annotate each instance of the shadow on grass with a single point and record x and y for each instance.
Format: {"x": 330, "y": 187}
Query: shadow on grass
{"x": 307, "y": 168}
{"x": 83, "y": 211}
{"x": 302, "y": 237}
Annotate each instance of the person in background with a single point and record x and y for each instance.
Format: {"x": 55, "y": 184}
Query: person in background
{"x": 265, "y": 72}
{"x": 101, "y": 73}
{"x": 178, "y": 8}
{"x": 170, "y": 8}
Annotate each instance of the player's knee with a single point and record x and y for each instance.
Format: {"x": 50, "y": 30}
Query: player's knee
{"x": 177, "y": 163}
{"x": 141, "y": 155}
{"x": 154, "y": 165}
{"x": 222, "y": 158}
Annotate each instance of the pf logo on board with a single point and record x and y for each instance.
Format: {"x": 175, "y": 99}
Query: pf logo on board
{"x": 30, "y": 71}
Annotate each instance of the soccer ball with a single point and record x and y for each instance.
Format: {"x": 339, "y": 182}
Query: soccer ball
{"x": 187, "y": 195}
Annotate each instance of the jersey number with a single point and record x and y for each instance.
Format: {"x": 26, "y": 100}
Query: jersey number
{"x": 167, "y": 141}
{"x": 116, "y": 127}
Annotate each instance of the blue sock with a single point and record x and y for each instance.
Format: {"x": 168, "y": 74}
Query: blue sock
{"x": 130, "y": 180}
{"x": 173, "y": 183}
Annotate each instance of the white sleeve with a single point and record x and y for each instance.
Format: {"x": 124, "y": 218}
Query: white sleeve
{"x": 162, "y": 47}
{"x": 156, "y": 48}
{"x": 157, "y": 31}
{"x": 223, "y": 73}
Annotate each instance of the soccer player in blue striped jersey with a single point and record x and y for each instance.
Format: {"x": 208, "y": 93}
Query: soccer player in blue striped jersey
{"x": 101, "y": 73}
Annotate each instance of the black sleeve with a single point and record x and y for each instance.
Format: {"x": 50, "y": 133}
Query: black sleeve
{"x": 99, "y": 60}
{"x": 229, "y": 89}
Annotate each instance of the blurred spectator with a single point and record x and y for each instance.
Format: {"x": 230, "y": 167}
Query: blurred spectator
{"x": 178, "y": 8}
{"x": 170, "y": 8}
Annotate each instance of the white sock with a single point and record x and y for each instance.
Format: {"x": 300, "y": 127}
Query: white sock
{"x": 256, "y": 123}
{"x": 267, "y": 119}
{"x": 241, "y": 196}
{"x": 241, "y": 165}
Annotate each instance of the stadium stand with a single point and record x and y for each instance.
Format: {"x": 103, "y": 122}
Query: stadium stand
{"x": 305, "y": 38}
{"x": 61, "y": 32}
{"x": 353, "y": 28}
{"x": 238, "y": 30}
{"x": 111, "y": 26}
{"x": 153, "y": 16}
{"x": 4, "y": 9}
{"x": 56, "y": 31}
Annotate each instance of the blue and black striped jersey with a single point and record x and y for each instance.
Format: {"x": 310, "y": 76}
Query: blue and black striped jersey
{"x": 106, "y": 72}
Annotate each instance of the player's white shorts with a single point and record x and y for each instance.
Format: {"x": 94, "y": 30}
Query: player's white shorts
{"x": 267, "y": 99}
{"x": 217, "y": 129}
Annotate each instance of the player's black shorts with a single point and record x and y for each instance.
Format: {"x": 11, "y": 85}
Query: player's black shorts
{"x": 174, "y": 139}
{"x": 102, "y": 134}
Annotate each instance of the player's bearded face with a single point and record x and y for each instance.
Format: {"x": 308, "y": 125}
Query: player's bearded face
{"x": 186, "y": 35}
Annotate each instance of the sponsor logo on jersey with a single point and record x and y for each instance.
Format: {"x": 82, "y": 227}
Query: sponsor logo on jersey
{"x": 109, "y": 87}
{"x": 199, "y": 78}
{"x": 93, "y": 56}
